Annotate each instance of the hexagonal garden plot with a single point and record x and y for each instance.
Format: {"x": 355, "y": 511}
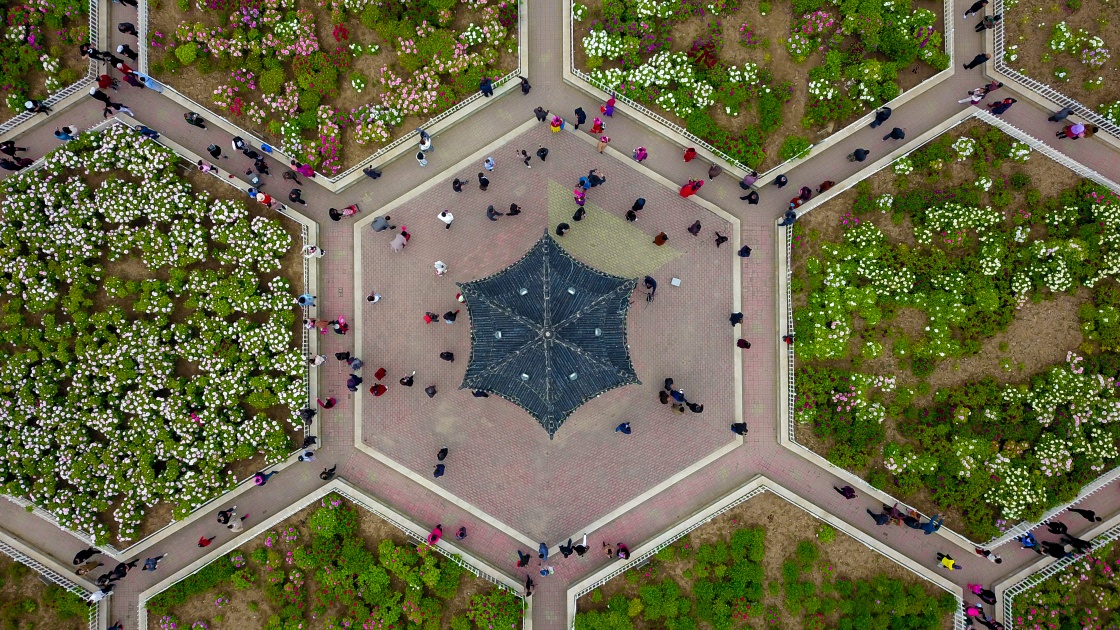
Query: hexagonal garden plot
{"x": 769, "y": 564}
{"x": 734, "y": 74}
{"x": 331, "y": 82}
{"x": 333, "y": 565}
{"x": 153, "y": 348}
{"x": 500, "y": 458}
{"x": 39, "y": 49}
{"x": 956, "y": 330}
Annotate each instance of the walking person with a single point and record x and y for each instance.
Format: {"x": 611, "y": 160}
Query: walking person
{"x": 447, "y": 218}
{"x": 1028, "y": 541}
{"x": 226, "y": 514}
{"x": 694, "y": 229}
{"x": 933, "y": 525}
{"x": 859, "y": 155}
{"x": 541, "y": 114}
{"x": 640, "y": 154}
{"x": 486, "y": 86}
{"x": 525, "y": 157}
{"x": 1001, "y": 106}
{"x": 945, "y": 560}
{"x": 788, "y": 219}
{"x": 880, "y": 519}
{"x": 597, "y": 126}
{"x": 483, "y": 182}
{"x": 420, "y": 159}
{"x": 751, "y": 197}
{"x": 1061, "y": 114}
{"x": 977, "y": 60}
{"x": 525, "y": 87}
{"x": 603, "y": 142}
{"x": 262, "y": 477}
{"x": 975, "y": 95}
{"x": 989, "y": 22}
{"x": 895, "y": 134}
{"x": 328, "y": 473}
{"x": 8, "y": 147}
{"x": 1055, "y": 550}
{"x": 488, "y": 164}
{"x": 296, "y": 196}
{"x": 623, "y": 428}
{"x": 881, "y": 116}
{"x": 581, "y": 117}
{"x": 987, "y": 554}
{"x": 203, "y": 541}
{"x": 825, "y": 185}
{"x": 66, "y": 133}
{"x": 1073, "y": 132}
{"x": 96, "y": 94}
{"x": 127, "y": 51}
{"x": 85, "y": 555}
{"x": 714, "y": 171}
{"x": 976, "y": 7}
{"x": 847, "y": 492}
{"x": 128, "y": 29}
{"x": 237, "y": 526}
{"x": 493, "y": 214}
{"x": 194, "y": 120}
{"x": 216, "y": 152}
{"x": 1056, "y": 527}
{"x": 425, "y": 141}
{"x": 151, "y": 564}
{"x": 35, "y": 106}
{"x": 780, "y": 181}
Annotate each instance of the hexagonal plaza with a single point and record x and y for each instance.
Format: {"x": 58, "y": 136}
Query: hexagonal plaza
{"x": 550, "y": 488}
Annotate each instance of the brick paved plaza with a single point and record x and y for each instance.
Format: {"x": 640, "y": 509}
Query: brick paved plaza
{"x": 506, "y": 479}
{"x": 549, "y": 488}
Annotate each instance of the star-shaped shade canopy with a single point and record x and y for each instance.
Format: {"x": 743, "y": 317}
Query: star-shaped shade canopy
{"x": 548, "y": 333}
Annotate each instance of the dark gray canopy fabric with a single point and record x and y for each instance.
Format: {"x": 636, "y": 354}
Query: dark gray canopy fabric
{"x": 548, "y": 333}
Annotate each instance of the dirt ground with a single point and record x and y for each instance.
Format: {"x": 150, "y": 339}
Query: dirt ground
{"x": 1011, "y": 356}
{"x": 785, "y": 525}
{"x": 239, "y": 613}
{"x": 166, "y": 17}
{"x": 19, "y": 584}
{"x": 775, "y": 28}
{"x": 1029, "y": 25}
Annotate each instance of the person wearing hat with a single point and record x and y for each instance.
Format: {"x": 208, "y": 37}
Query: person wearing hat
{"x": 33, "y": 106}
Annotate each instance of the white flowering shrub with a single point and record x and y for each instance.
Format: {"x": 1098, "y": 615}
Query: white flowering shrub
{"x": 941, "y": 289}
{"x": 162, "y": 336}
{"x": 903, "y": 166}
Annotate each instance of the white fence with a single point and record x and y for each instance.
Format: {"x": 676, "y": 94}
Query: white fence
{"x": 78, "y": 86}
{"x": 1062, "y": 100}
{"x": 50, "y": 574}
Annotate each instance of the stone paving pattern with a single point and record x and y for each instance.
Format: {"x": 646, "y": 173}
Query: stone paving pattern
{"x": 536, "y": 507}
{"x": 550, "y": 488}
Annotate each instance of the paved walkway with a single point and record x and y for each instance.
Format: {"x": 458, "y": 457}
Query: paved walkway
{"x": 760, "y": 452}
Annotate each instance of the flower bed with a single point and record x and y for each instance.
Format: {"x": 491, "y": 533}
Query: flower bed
{"x": 920, "y": 301}
{"x": 332, "y": 81}
{"x": 40, "y": 48}
{"x": 735, "y": 75}
{"x": 1076, "y": 57}
{"x": 26, "y": 602}
{"x": 150, "y": 340}
{"x": 1086, "y": 594}
{"x": 741, "y": 568}
{"x": 334, "y": 566}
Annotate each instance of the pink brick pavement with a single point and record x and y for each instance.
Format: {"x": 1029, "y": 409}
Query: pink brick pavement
{"x": 761, "y": 454}
{"x": 549, "y": 487}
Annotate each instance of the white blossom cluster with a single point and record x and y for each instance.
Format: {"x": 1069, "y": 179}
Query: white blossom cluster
{"x": 949, "y": 220}
{"x": 133, "y": 377}
{"x": 672, "y": 71}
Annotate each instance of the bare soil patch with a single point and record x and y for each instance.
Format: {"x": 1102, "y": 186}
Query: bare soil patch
{"x": 1029, "y": 26}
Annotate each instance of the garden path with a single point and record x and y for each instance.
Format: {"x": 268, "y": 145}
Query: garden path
{"x": 761, "y": 453}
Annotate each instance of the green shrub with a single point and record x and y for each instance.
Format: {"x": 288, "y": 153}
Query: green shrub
{"x": 187, "y": 53}
{"x": 309, "y": 100}
{"x": 1073, "y": 4}
{"x": 205, "y": 65}
{"x": 764, "y": 8}
{"x": 272, "y": 81}
{"x": 825, "y": 533}
{"x": 794, "y": 147}
{"x": 1019, "y": 181}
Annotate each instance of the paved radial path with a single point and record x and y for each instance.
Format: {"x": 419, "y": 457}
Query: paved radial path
{"x": 398, "y": 487}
